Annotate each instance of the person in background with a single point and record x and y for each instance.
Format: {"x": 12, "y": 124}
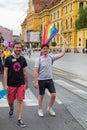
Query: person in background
{"x": 1, "y": 38}
{"x": 43, "y": 77}
{"x": 16, "y": 81}
{"x": 6, "y": 52}
{"x": 1, "y": 60}
{"x": 29, "y": 52}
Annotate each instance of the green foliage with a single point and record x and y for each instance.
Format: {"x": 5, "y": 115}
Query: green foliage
{"x": 53, "y": 43}
{"x": 34, "y": 45}
{"x": 81, "y": 22}
{"x": 15, "y": 41}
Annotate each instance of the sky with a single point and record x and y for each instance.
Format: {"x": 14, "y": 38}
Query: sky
{"x": 12, "y": 14}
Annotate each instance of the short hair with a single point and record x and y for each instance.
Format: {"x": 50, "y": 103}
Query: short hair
{"x": 44, "y": 45}
{"x": 16, "y": 43}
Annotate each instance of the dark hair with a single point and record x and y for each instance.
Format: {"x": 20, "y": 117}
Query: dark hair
{"x": 44, "y": 45}
{"x": 17, "y": 44}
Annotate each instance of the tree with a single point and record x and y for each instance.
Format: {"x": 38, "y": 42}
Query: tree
{"x": 81, "y": 22}
{"x": 53, "y": 43}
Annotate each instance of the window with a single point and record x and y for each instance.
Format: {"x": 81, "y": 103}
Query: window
{"x": 58, "y": 14}
{"x": 54, "y": 15}
{"x": 79, "y": 44}
{"x": 66, "y": 9}
{"x": 71, "y": 23}
{"x": 58, "y": 26}
{"x": 66, "y": 24}
{"x": 51, "y": 16}
{"x": 57, "y": 39}
{"x": 79, "y": 39}
{"x": 80, "y": 4}
{"x": 71, "y": 8}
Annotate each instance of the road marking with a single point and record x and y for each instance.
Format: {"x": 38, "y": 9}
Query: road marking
{"x": 58, "y": 73}
{"x": 1, "y": 85}
{"x": 3, "y": 101}
{"x": 30, "y": 99}
{"x": 82, "y": 82}
{"x": 71, "y": 88}
{"x": 57, "y": 99}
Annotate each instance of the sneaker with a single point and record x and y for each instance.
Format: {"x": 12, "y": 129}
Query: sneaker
{"x": 21, "y": 123}
{"x": 11, "y": 112}
{"x": 51, "y": 111}
{"x": 40, "y": 113}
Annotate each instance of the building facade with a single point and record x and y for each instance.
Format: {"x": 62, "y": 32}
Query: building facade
{"x": 62, "y": 13}
{"x": 16, "y": 38}
{"x": 6, "y": 33}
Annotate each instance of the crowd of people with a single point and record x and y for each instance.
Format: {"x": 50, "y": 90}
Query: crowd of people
{"x": 5, "y": 51}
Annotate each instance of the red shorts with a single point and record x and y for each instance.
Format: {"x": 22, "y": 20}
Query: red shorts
{"x": 16, "y": 93}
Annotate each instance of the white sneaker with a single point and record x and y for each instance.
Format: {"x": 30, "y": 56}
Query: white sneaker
{"x": 40, "y": 113}
{"x": 51, "y": 111}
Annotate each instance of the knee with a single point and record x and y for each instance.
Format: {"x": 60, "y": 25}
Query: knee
{"x": 53, "y": 95}
{"x": 20, "y": 101}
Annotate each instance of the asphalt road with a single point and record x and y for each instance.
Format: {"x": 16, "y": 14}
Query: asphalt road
{"x": 63, "y": 120}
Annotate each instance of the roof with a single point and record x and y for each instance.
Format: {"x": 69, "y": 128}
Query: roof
{"x": 40, "y": 5}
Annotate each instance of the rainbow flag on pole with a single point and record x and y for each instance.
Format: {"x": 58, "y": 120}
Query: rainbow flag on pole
{"x": 49, "y": 33}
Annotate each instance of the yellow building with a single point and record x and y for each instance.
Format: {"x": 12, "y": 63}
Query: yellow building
{"x": 63, "y": 13}
{"x": 81, "y": 39}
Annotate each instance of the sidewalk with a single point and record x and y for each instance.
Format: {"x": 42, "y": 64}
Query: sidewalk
{"x": 74, "y": 63}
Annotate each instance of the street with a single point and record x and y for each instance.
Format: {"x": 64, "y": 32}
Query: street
{"x": 70, "y": 105}
{"x": 63, "y": 120}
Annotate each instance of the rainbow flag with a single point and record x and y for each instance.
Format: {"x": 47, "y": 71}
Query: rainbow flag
{"x": 49, "y": 33}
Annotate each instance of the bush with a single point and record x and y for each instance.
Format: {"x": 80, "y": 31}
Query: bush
{"x": 53, "y": 43}
{"x": 34, "y": 45}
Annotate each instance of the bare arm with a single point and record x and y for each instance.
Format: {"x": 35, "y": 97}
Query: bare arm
{"x": 5, "y": 77}
{"x": 63, "y": 50}
{"x": 36, "y": 77}
{"x": 2, "y": 59}
{"x": 25, "y": 77}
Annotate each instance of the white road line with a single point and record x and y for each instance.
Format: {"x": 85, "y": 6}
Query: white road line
{"x": 3, "y": 101}
{"x": 1, "y": 85}
{"x": 80, "y": 81}
{"x": 30, "y": 99}
{"x": 71, "y": 88}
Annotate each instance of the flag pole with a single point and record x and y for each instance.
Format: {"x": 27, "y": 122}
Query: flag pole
{"x": 62, "y": 37}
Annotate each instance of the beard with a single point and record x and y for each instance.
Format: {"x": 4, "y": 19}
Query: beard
{"x": 17, "y": 52}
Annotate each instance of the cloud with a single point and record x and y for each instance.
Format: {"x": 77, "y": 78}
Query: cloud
{"x": 12, "y": 13}
{"x": 16, "y": 5}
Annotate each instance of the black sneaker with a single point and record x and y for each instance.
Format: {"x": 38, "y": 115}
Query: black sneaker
{"x": 11, "y": 112}
{"x": 21, "y": 123}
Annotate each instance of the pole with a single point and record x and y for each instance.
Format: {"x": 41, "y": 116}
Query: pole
{"x": 62, "y": 37}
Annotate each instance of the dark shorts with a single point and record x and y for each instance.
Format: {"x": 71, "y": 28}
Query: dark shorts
{"x": 49, "y": 84}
